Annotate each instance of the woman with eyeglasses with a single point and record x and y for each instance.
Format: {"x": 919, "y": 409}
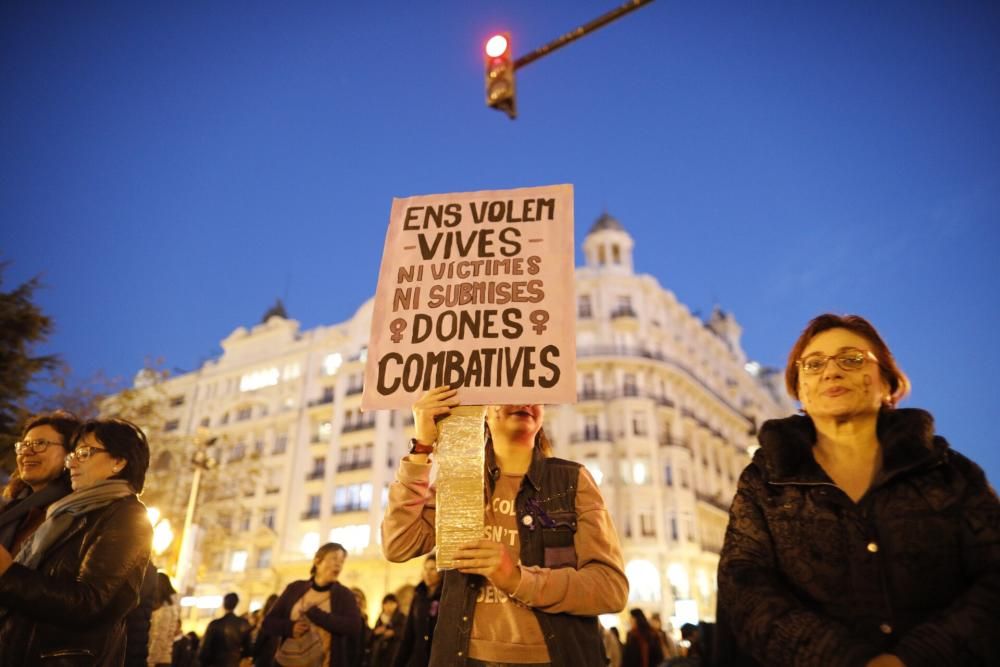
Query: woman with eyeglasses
{"x": 64, "y": 596}
{"x": 858, "y": 537}
{"x": 41, "y": 477}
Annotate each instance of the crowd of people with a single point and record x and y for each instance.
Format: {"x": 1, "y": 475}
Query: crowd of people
{"x": 857, "y": 538}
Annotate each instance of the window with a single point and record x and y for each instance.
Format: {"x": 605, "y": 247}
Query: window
{"x": 264, "y": 557}
{"x": 176, "y": 401}
{"x": 639, "y": 424}
{"x": 205, "y": 421}
{"x": 591, "y": 430}
{"x": 312, "y": 507}
{"x": 584, "y": 310}
{"x": 238, "y": 563}
{"x": 646, "y": 523}
{"x": 589, "y": 389}
{"x": 352, "y": 498}
{"x": 668, "y": 475}
{"x": 172, "y": 425}
{"x": 673, "y": 528}
{"x": 239, "y": 452}
{"x": 267, "y": 517}
{"x": 245, "y": 521}
{"x": 630, "y": 388}
{"x": 318, "y": 468}
{"x": 280, "y": 444}
{"x": 244, "y": 413}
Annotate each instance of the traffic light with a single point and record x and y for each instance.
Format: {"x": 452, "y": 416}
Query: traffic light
{"x": 500, "y": 74}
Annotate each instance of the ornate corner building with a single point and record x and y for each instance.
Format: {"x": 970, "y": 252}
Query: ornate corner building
{"x": 667, "y": 411}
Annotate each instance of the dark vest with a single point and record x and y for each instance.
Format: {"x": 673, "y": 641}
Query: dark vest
{"x": 548, "y": 495}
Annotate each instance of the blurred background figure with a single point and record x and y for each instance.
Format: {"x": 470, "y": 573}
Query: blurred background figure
{"x": 227, "y": 639}
{"x": 612, "y": 646}
{"x": 642, "y": 647}
{"x": 320, "y": 604}
{"x": 387, "y": 632}
{"x": 415, "y": 645}
{"x": 165, "y": 621}
{"x": 365, "y": 638}
{"x": 264, "y": 645}
{"x": 667, "y": 644}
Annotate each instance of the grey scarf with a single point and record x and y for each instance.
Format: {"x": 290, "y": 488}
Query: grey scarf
{"x": 64, "y": 512}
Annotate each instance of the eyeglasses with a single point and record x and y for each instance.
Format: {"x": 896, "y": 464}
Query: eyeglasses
{"x": 34, "y": 446}
{"x": 83, "y": 453}
{"x": 849, "y": 360}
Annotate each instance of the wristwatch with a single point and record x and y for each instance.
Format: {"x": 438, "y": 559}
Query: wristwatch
{"x": 420, "y": 448}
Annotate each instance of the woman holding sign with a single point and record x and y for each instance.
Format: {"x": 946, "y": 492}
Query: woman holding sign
{"x": 529, "y": 593}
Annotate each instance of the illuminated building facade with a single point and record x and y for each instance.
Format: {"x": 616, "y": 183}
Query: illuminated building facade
{"x": 667, "y": 409}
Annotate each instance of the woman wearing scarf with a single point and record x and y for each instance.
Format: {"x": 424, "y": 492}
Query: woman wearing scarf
{"x": 64, "y": 597}
{"x": 41, "y": 477}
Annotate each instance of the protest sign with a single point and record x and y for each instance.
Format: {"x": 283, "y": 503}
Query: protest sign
{"x": 476, "y": 291}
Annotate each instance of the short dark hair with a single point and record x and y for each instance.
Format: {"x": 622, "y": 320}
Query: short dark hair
{"x": 123, "y": 440}
{"x": 65, "y": 423}
{"x": 389, "y": 597}
{"x": 229, "y": 601}
{"x": 899, "y": 384}
{"x": 323, "y": 552}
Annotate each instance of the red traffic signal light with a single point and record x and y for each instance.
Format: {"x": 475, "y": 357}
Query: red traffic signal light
{"x": 500, "y": 74}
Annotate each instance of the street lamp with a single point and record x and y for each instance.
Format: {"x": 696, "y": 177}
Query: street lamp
{"x": 201, "y": 462}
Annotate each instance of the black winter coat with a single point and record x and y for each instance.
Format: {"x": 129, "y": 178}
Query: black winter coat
{"x": 226, "y": 640}
{"x": 809, "y": 578}
{"x": 71, "y": 609}
{"x": 415, "y": 647}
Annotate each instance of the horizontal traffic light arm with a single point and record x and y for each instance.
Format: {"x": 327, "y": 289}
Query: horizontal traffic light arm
{"x": 574, "y": 35}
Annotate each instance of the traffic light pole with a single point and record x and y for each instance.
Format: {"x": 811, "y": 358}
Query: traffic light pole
{"x": 574, "y": 35}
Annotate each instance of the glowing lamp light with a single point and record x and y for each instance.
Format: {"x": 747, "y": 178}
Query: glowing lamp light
{"x": 163, "y": 535}
{"x": 496, "y": 46}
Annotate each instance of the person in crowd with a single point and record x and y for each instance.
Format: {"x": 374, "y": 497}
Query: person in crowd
{"x": 227, "y": 639}
{"x": 415, "y": 646}
{"x": 264, "y": 645}
{"x": 694, "y": 654}
{"x": 73, "y": 581}
{"x": 858, "y": 536}
{"x": 164, "y": 622}
{"x": 612, "y": 646}
{"x": 387, "y": 632}
{"x": 642, "y": 646}
{"x": 185, "y": 650}
{"x": 667, "y": 644}
{"x": 41, "y": 477}
{"x": 323, "y": 605}
{"x": 365, "y": 637}
{"x": 533, "y": 596}
{"x": 137, "y": 621}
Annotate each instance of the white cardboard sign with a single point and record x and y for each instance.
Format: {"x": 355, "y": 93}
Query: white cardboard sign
{"x": 476, "y": 291}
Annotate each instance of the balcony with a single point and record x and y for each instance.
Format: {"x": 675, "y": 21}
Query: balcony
{"x": 623, "y": 311}
{"x": 350, "y": 507}
{"x": 591, "y": 435}
{"x": 323, "y": 400}
{"x": 358, "y": 425}
{"x": 315, "y": 474}
{"x": 351, "y": 391}
{"x": 310, "y": 514}
{"x": 345, "y": 466}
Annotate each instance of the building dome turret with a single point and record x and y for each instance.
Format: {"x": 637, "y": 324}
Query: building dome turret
{"x": 608, "y": 247}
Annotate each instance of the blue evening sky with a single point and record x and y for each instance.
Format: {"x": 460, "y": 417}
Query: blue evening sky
{"x": 172, "y": 168}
